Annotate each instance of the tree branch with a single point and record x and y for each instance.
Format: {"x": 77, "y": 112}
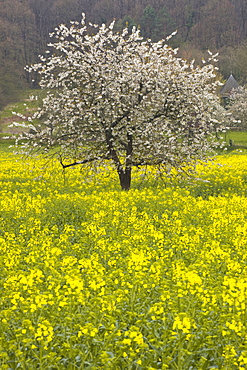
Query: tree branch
{"x": 89, "y": 160}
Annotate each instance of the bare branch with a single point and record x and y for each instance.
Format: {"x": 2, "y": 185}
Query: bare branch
{"x": 89, "y": 160}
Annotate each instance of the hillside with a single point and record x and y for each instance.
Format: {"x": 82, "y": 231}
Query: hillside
{"x": 218, "y": 25}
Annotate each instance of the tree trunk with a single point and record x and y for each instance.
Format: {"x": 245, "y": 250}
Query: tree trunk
{"x": 124, "y": 174}
{"x": 125, "y": 178}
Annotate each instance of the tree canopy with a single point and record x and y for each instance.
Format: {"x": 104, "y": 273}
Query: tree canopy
{"x": 113, "y": 96}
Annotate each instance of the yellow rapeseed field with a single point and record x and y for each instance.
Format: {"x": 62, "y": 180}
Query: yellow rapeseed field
{"x": 96, "y": 278}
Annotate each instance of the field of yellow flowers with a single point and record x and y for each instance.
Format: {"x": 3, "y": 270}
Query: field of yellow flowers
{"x": 95, "y": 278}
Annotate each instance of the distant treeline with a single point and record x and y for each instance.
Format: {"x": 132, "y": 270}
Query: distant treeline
{"x": 218, "y": 25}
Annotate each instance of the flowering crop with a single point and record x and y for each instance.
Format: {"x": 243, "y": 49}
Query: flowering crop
{"x": 96, "y": 278}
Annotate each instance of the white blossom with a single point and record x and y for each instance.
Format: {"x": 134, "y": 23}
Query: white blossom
{"x": 238, "y": 107}
{"x": 117, "y": 97}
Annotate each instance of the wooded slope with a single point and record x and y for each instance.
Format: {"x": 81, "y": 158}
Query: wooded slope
{"x": 218, "y": 25}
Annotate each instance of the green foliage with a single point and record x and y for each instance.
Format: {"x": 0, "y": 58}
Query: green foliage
{"x": 127, "y": 21}
{"x": 156, "y": 24}
{"x": 148, "y": 22}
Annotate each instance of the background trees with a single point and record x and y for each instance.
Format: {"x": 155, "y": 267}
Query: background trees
{"x": 17, "y": 47}
{"x": 116, "y": 97}
{"x": 216, "y": 26}
{"x": 202, "y": 24}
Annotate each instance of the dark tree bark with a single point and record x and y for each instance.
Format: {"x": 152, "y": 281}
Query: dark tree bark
{"x": 125, "y": 175}
{"x": 125, "y": 178}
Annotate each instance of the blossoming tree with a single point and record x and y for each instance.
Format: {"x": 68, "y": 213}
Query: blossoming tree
{"x": 119, "y": 98}
{"x": 238, "y": 107}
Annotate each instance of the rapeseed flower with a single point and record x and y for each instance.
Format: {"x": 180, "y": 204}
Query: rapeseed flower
{"x": 98, "y": 278}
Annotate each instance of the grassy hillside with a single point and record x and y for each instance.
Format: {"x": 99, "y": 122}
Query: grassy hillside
{"x": 238, "y": 138}
{"x": 25, "y": 107}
